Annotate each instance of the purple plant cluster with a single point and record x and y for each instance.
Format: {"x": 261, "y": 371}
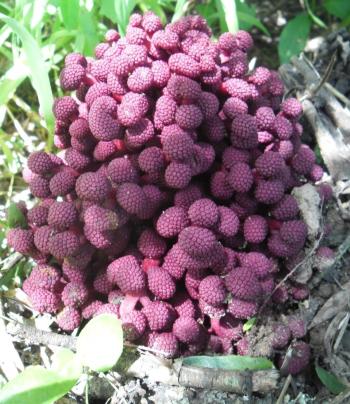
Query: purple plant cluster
{"x": 169, "y": 202}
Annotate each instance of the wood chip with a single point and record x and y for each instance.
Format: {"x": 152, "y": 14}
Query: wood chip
{"x": 309, "y": 204}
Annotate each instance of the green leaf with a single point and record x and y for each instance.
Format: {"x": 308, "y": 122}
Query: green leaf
{"x": 252, "y": 21}
{"x": 89, "y": 33}
{"x": 38, "y": 72}
{"x": 35, "y": 385}
{"x": 100, "y": 343}
{"x": 293, "y": 37}
{"x": 248, "y": 325}
{"x": 180, "y": 10}
{"x": 222, "y": 19}
{"x": 229, "y": 362}
{"x": 333, "y": 384}
{"x": 15, "y": 217}
{"x": 338, "y": 8}
{"x": 70, "y": 13}
{"x": 108, "y": 10}
{"x": 230, "y": 14}
{"x": 66, "y": 363}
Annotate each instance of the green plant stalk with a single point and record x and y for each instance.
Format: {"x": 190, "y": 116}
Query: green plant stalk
{"x": 87, "y": 390}
{"x": 180, "y": 10}
{"x": 313, "y": 16}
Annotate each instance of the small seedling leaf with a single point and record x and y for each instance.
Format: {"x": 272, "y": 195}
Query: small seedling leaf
{"x": 100, "y": 343}
{"x": 248, "y": 325}
{"x": 333, "y": 384}
{"x": 36, "y": 385}
{"x": 229, "y": 362}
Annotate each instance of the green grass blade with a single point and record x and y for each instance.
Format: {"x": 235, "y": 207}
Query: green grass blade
{"x": 39, "y": 10}
{"x": 88, "y": 29}
{"x": 5, "y": 32}
{"x": 222, "y": 19}
{"x": 251, "y": 20}
{"x": 180, "y": 10}
{"x": 4, "y": 8}
{"x": 123, "y": 9}
{"x": 230, "y": 14}
{"x": 38, "y": 72}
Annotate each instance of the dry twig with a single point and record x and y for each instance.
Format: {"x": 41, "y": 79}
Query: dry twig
{"x": 40, "y": 337}
{"x": 284, "y": 389}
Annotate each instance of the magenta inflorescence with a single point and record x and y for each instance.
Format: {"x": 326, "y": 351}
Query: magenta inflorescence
{"x": 174, "y": 183}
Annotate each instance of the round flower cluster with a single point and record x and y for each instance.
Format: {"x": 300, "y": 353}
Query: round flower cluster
{"x": 169, "y": 203}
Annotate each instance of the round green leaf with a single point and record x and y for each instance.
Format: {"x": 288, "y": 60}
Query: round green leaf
{"x": 36, "y": 385}
{"x": 293, "y": 37}
{"x": 100, "y": 343}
